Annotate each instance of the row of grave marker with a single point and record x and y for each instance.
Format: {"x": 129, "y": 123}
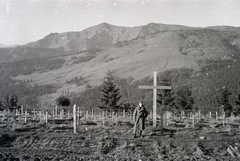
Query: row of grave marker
{"x": 194, "y": 116}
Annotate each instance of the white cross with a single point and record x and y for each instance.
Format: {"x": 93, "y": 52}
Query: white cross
{"x": 155, "y": 87}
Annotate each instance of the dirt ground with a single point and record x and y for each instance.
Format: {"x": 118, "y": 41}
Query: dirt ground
{"x": 40, "y": 141}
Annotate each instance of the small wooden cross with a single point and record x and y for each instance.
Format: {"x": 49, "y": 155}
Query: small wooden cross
{"x": 155, "y": 87}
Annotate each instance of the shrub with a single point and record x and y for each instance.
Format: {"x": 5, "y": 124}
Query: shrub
{"x": 63, "y": 101}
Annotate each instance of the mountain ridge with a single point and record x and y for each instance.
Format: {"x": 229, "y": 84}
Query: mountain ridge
{"x": 127, "y": 51}
{"x": 99, "y": 36}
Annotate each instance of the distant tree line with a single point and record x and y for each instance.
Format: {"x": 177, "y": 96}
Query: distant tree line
{"x": 26, "y": 94}
{"x": 77, "y": 80}
{"x": 29, "y": 66}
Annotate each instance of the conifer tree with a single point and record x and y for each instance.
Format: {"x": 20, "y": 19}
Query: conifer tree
{"x": 166, "y": 96}
{"x": 223, "y": 100}
{"x": 184, "y": 99}
{"x": 14, "y": 100}
{"x": 1, "y": 105}
{"x": 110, "y": 94}
{"x": 236, "y": 110}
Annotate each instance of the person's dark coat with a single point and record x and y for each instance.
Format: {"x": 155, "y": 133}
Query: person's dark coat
{"x": 139, "y": 116}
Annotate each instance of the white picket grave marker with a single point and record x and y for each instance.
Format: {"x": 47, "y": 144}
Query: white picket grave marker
{"x": 199, "y": 115}
{"x": 40, "y": 116}
{"x": 46, "y": 117}
{"x": 92, "y": 114}
{"x": 86, "y": 115}
{"x": 25, "y": 120}
{"x": 216, "y": 116}
{"x": 210, "y": 114}
{"x": 56, "y": 110}
{"x": 155, "y": 87}
{"x": 34, "y": 113}
{"x": 74, "y": 120}
{"x": 167, "y": 118}
{"x": 61, "y": 114}
{"x": 223, "y": 118}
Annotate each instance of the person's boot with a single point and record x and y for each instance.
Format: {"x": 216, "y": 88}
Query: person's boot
{"x": 134, "y": 136}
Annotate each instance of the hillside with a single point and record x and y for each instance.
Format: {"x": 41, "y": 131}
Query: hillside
{"x": 127, "y": 51}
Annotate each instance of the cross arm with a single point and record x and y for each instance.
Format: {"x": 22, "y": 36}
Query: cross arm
{"x": 155, "y": 87}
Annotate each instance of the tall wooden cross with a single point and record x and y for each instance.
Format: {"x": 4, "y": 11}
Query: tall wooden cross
{"x": 155, "y": 87}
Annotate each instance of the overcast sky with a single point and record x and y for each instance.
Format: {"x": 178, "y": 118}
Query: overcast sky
{"x": 23, "y": 21}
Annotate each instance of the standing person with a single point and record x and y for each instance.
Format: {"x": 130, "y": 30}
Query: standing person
{"x": 139, "y": 116}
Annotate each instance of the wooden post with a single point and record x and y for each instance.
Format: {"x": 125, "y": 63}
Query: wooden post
{"x": 123, "y": 113}
{"x": 167, "y": 118}
{"x": 210, "y": 115}
{"x": 116, "y": 119}
{"x": 196, "y": 116}
{"x": 190, "y": 116}
{"x": 53, "y": 113}
{"x": 155, "y": 99}
{"x": 232, "y": 117}
{"x": 130, "y": 119}
{"x": 78, "y": 113}
{"x": 112, "y": 116}
{"x": 14, "y": 125}
{"x": 74, "y": 120}
{"x": 22, "y": 110}
{"x": 68, "y": 115}
{"x": 216, "y": 116}
{"x": 46, "y": 117}
{"x": 103, "y": 118}
{"x": 162, "y": 117}
{"x": 193, "y": 118}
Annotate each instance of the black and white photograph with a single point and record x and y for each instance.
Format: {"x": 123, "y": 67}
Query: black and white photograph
{"x": 119, "y": 80}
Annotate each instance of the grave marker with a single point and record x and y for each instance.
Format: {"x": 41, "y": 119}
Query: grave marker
{"x": 74, "y": 120}
{"x": 155, "y": 87}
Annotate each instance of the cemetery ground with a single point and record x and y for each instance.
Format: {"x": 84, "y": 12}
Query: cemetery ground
{"x": 111, "y": 139}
